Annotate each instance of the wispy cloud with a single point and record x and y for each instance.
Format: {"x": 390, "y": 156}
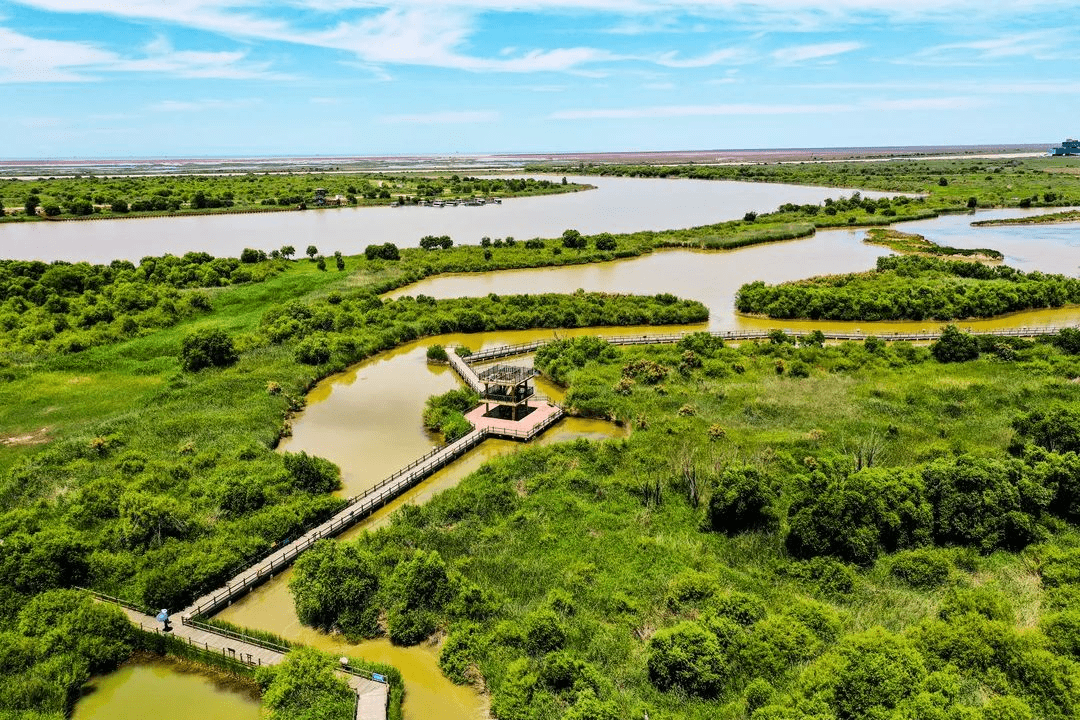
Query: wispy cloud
{"x": 804, "y": 53}
{"x": 1058, "y": 44}
{"x": 447, "y": 117}
{"x": 752, "y": 109}
{"x": 174, "y": 106}
{"x": 25, "y": 59}
{"x": 28, "y": 59}
{"x": 728, "y": 56}
{"x": 673, "y": 111}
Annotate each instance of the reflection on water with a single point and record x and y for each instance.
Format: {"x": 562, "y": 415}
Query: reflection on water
{"x": 164, "y": 690}
{"x": 428, "y": 693}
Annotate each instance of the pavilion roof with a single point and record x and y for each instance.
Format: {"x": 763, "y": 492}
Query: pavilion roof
{"x": 506, "y": 374}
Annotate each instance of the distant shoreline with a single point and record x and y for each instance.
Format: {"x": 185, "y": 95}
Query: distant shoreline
{"x": 494, "y": 162}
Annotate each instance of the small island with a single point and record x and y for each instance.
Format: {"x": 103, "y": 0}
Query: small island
{"x": 914, "y": 244}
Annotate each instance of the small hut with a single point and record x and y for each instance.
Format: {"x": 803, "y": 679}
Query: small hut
{"x": 508, "y": 386}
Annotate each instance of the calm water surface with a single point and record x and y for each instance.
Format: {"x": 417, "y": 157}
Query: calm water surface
{"x": 616, "y": 205}
{"x": 715, "y": 277}
{"x": 163, "y": 690}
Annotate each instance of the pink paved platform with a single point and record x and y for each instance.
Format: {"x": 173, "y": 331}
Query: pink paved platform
{"x": 525, "y": 428}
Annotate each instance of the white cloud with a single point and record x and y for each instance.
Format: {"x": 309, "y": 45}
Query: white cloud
{"x": 447, "y": 117}
{"x": 727, "y": 56}
{"x": 751, "y": 109}
{"x": 439, "y": 33}
{"x": 802, "y": 53}
{"x": 672, "y": 111}
{"x": 173, "y": 106}
{"x": 25, "y": 59}
{"x": 1040, "y": 45}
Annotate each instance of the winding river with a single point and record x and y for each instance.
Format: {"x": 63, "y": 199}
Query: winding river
{"x": 367, "y": 419}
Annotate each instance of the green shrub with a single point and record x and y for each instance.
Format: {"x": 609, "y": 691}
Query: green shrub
{"x": 742, "y": 501}
{"x": 335, "y": 585}
{"x": 208, "y": 347}
{"x": 544, "y": 632}
{"x": 923, "y": 569}
{"x": 312, "y": 474}
{"x": 688, "y": 657}
{"x": 955, "y": 346}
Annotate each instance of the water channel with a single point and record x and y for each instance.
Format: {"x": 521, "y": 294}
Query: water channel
{"x": 616, "y": 205}
{"x": 367, "y": 419}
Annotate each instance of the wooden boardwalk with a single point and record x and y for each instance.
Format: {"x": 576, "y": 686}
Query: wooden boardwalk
{"x": 361, "y": 506}
{"x": 371, "y": 696}
{"x": 503, "y": 351}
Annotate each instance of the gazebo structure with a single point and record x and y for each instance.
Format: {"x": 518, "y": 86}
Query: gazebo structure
{"x": 507, "y": 386}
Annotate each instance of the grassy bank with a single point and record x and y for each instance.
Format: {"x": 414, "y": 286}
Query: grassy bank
{"x": 117, "y": 197}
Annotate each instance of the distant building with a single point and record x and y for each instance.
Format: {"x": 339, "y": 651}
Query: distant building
{"x": 1069, "y": 147}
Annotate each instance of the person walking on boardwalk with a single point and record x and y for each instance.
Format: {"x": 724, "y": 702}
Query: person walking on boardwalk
{"x": 163, "y": 618}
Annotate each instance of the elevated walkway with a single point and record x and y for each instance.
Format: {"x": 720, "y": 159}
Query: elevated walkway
{"x": 372, "y": 697}
{"x": 504, "y": 351}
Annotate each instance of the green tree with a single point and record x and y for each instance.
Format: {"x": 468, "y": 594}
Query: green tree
{"x": 30, "y": 206}
{"x": 955, "y": 346}
{"x": 606, "y": 242}
{"x": 573, "y": 239}
{"x": 287, "y": 251}
{"x": 336, "y": 584}
{"x": 312, "y": 251}
{"x": 207, "y": 347}
{"x": 304, "y": 687}
{"x": 741, "y": 501}
{"x": 689, "y": 657}
{"x": 312, "y": 474}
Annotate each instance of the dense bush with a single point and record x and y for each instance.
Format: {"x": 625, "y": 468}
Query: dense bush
{"x": 911, "y": 287}
{"x": 209, "y": 347}
{"x": 689, "y": 657}
{"x": 304, "y": 687}
{"x": 335, "y": 585}
{"x": 742, "y": 501}
{"x": 312, "y": 474}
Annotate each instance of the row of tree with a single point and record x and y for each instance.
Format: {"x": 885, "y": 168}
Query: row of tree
{"x": 910, "y": 288}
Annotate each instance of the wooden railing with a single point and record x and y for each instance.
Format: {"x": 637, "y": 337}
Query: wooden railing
{"x": 232, "y": 634}
{"x": 502, "y": 351}
{"x": 117, "y": 601}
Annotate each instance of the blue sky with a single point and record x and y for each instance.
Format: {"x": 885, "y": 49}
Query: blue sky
{"x": 124, "y": 78}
